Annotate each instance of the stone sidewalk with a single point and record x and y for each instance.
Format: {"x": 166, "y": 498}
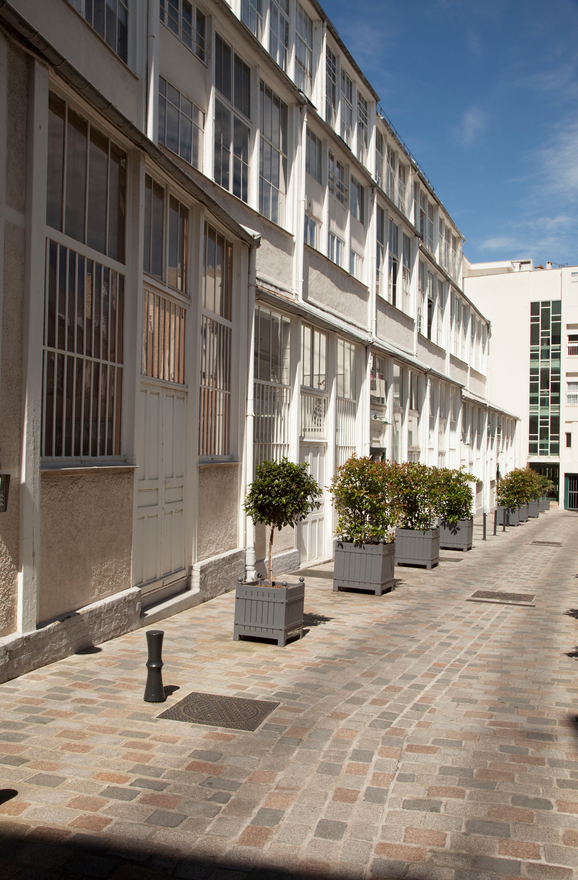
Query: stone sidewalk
{"x": 418, "y": 734}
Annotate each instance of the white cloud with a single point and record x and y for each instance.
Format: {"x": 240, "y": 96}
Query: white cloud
{"x": 539, "y": 237}
{"x": 557, "y": 163}
{"x": 472, "y": 124}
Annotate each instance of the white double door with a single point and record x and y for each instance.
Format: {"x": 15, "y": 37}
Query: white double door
{"x": 161, "y": 557}
{"x": 311, "y": 532}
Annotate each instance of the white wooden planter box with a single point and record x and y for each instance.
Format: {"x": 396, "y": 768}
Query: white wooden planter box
{"x": 458, "y": 536}
{"x": 413, "y": 547}
{"x": 364, "y": 567}
{"x": 269, "y": 612}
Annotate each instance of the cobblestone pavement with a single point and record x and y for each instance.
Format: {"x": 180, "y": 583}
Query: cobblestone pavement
{"x": 418, "y": 735}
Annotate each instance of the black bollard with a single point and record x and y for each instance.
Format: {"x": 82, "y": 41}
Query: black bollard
{"x": 495, "y": 522}
{"x": 485, "y": 517}
{"x": 154, "y": 690}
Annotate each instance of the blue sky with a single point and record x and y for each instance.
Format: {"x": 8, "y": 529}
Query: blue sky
{"x": 485, "y": 95}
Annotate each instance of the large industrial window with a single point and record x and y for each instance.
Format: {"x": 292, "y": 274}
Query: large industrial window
{"x": 181, "y": 124}
{"x": 84, "y": 297}
{"x": 273, "y": 155}
{"x": 279, "y": 31}
{"x": 346, "y": 107}
{"x": 168, "y": 265}
{"x": 545, "y": 344}
{"x": 331, "y": 93}
{"x": 86, "y": 194}
{"x": 272, "y": 390}
{"x": 216, "y": 334}
{"x": 83, "y": 356}
{"x": 187, "y": 23}
{"x": 336, "y": 179}
{"x": 110, "y": 21}
{"x": 380, "y": 253}
{"x": 252, "y": 16}
{"x": 303, "y": 50}
{"x": 313, "y": 382}
{"x": 163, "y": 344}
{"x": 313, "y": 155}
{"x": 232, "y": 134}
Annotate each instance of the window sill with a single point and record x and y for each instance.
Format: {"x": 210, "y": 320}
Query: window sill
{"x": 83, "y": 467}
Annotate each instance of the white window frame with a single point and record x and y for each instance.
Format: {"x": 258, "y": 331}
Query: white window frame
{"x": 195, "y": 118}
{"x": 191, "y": 29}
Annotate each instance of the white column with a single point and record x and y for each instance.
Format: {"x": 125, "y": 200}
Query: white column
{"x": 28, "y": 574}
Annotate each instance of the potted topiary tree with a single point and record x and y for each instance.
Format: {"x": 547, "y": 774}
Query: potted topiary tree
{"x": 546, "y": 486}
{"x": 512, "y": 496}
{"x": 367, "y": 511}
{"x": 534, "y": 481}
{"x": 456, "y": 509}
{"x": 282, "y": 494}
{"x": 417, "y": 537}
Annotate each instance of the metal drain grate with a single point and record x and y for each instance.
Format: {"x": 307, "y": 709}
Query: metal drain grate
{"x": 216, "y": 710}
{"x": 495, "y": 597}
{"x": 548, "y": 543}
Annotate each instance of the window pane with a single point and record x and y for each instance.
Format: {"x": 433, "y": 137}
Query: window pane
{"x": 55, "y": 170}
{"x": 97, "y": 189}
{"x": 75, "y": 176}
{"x": 116, "y": 204}
{"x": 222, "y": 67}
{"x": 158, "y": 207}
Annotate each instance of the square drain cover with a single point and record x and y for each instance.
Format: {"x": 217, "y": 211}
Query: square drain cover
{"x": 216, "y": 710}
{"x": 498, "y": 598}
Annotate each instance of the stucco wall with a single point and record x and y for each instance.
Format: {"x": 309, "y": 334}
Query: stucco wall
{"x": 394, "y": 326}
{"x": 85, "y": 537}
{"x": 329, "y": 286}
{"x": 218, "y": 509}
{"x": 477, "y": 383}
{"x": 431, "y": 353}
{"x": 12, "y": 298}
{"x": 458, "y": 370}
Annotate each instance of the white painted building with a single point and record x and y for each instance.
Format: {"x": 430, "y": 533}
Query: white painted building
{"x": 534, "y": 360}
{"x": 216, "y": 250}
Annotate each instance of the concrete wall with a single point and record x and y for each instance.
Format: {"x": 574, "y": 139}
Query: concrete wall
{"x": 458, "y": 370}
{"x": 85, "y": 537}
{"x": 477, "y": 383}
{"x": 394, "y": 326}
{"x": 93, "y": 625}
{"x": 218, "y": 509}
{"x": 431, "y": 353}
{"x": 327, "y": 285}
{"x": 75, "y": 39}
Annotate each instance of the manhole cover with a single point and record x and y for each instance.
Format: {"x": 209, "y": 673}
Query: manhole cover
{"x": 499, "y": 598}
{"x": 548, "y": 543}
{"x": 220, "y": 711}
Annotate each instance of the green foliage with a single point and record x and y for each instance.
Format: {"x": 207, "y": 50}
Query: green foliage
{"x": 418, "y": 489}
{"x": 455, "y": 495}
{"x": 546, "y": 485}
{"x": 518, "y": 487}
{"x": 365, "y": 500}
{"x": 282, "y": 494}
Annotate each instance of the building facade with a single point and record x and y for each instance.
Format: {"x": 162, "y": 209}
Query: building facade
{"x": 216, "y": 250}
{"x": 534, "y": 315}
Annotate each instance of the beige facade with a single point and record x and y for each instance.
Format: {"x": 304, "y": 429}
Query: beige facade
{"x": 214, "y": 250}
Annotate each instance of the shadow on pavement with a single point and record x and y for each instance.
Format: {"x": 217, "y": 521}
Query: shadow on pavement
{"x": 52, "y": 854}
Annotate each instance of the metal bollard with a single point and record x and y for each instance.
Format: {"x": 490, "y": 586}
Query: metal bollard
{"x": 484, "y": 533}
{"x": 504, "y": 519}
{"x": 495, "y": 522}
{"x": 154, "y": 690}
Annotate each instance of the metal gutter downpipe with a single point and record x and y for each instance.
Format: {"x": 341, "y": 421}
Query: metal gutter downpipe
{"x": 250, "y": 571}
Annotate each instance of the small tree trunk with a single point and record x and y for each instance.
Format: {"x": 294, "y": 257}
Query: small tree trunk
{"x": 272, "y": 535}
